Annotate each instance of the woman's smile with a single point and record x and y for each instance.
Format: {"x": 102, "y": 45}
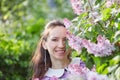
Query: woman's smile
{"x": 60, "y": 51}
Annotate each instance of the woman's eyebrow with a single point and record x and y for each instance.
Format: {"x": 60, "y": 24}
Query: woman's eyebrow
{"x": 54, "y": 37}
{"x": 58, "y": 37}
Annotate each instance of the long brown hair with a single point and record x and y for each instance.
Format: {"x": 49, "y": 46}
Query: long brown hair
{"x": 38, "y": 62}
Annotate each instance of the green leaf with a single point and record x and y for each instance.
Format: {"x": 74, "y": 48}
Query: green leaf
{"x": 105, "y": 71}
{"x": 101, "y": 68}
{"x": 83, "y": 15}
{"x": 115, "y": 60}
{"x": 97, "y": 61}
{"x": 8, "y": 61}
{"x": 106, "y": 14}
{"x": 74, "y": 54}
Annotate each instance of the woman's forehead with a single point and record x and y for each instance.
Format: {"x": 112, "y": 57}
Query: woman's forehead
{"x": 58, "y": 32}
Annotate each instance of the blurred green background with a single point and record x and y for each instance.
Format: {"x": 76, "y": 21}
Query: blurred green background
{"x": 21, "y": 22}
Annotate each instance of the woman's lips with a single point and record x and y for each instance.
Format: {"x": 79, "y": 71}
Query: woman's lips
{"x": 60, "y": 51}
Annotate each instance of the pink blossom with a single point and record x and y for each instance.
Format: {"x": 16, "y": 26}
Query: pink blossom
{"x": 91, "y": 47}
{"x": 77, "y": 69}
{"x": 67, "y": 23}
{"x": 74, "y": 41}
{"x": 77, "y": 6}
{"x": 105, "y": 46}
{"x": 109, "y": 3}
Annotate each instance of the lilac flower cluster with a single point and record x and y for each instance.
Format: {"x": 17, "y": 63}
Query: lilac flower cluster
{"x": 77, "y": 6}
{"x": 74, "y": 42}
{"x": 67, "y": 23}
{"x": 103, "y": 47}
{"x": 109, "y": 3}
{"x": 83, "y": 73}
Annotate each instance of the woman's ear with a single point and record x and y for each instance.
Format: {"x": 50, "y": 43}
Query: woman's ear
{"x": 44, "y": 44}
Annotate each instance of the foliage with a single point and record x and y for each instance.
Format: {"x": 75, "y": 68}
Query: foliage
{"x": 97, "y": 25}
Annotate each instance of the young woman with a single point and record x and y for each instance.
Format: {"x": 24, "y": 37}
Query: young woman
{"x": 51, "y": 51}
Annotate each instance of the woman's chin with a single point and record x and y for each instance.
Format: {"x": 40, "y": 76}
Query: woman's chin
{"x": 60, "y": 57}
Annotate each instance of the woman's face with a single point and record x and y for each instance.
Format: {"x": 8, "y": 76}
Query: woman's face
{"x": 56, "y": 43}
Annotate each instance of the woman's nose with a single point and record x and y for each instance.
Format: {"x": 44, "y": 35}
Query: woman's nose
{"x": 61, "y": 44}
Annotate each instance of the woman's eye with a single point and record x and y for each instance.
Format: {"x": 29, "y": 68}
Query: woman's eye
{"x": 54, "y": 39}
{"x": 65, "y": 39}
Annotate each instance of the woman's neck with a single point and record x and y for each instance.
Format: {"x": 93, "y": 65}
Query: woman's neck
{"x": 57, "y": 64}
